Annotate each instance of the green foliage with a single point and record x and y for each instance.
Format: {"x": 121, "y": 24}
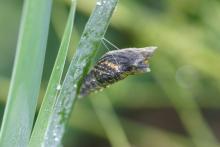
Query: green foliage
{"x": 93, "y": 33}
{"x": 25, "y": 84}
{"x": 106, "y": 115}
{"x": 43, "y": 120}
{"x": 169, "y": 106}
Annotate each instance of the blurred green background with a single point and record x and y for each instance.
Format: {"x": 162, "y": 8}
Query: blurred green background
{"x": 175, "y": 105}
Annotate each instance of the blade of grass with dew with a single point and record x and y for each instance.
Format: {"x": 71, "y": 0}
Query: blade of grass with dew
{"x": 26, "y": 78}
{"x": 109, "y": 121}
{"x": 93, "y": 33}
{"x": 42, "y": 122}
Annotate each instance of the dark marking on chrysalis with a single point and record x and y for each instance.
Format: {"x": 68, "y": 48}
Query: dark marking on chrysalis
{"x": 115, "y": 66}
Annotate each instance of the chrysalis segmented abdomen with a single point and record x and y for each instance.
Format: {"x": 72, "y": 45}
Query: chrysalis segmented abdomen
{"x": 89, "y": 85}
{"x": 115, "y": 66}
{"x": 103, "y": 74}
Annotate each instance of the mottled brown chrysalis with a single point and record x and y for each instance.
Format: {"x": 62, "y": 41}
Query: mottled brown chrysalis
{"x": 116, "y": 65}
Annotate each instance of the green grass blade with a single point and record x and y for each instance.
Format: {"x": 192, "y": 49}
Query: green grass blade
{"x": 88, "y": 45}
{"x": 106, "y": 115}
{"x": 40, "y": 128}
{"x": 26, "y": 78}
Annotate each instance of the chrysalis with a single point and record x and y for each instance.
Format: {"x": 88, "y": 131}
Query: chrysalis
{"x": 116, "y": 65}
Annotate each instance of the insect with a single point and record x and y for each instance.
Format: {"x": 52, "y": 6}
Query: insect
{"x": 115, "y": 66}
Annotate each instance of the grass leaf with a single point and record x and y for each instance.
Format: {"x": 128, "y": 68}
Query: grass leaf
{"x": 27, "y": 72}
{"x": 107, "y": 115}
{"x": 40, "y": 128}
{"x": 93, "y": 33}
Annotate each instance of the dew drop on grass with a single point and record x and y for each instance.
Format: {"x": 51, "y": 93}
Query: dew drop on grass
{"x": 58, "y": 87}
{"x": 57, "y": 131}
{"x": 58, "y": 67}
{"x": 99, "y": 3}
{"x": 148, "y": 69}
{"x": 56, "y": 139}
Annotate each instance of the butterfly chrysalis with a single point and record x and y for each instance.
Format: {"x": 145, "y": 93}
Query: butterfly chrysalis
{"x": 115, "y": 66}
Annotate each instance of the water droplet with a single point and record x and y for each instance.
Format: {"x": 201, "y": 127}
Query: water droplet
{"x": 56, "y": 139}
{"x": 99, "y": 3}
{"x": 58, "y": 67}
{"x": 58, "y": 87}
{"x": 148, "y": 69}
{"x": 75, "y": 86}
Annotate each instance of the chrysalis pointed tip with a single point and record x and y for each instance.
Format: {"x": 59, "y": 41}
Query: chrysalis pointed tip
{"x": 149, "y": 51}
{"x": 151, "y": 48}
